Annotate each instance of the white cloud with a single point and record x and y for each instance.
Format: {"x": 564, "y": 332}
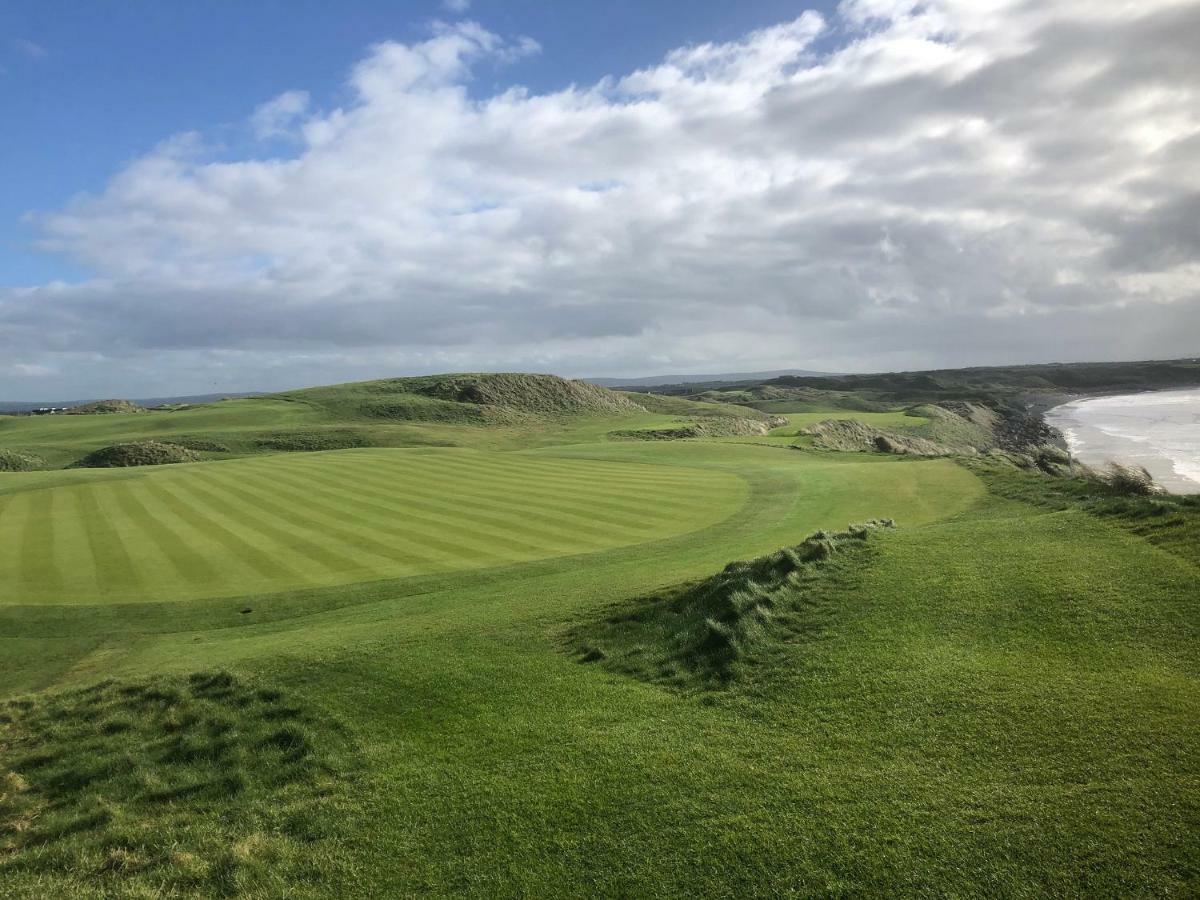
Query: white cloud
{"x": 276, "y": 117}
{"x": 456, "y": 6}
{"x": 909, "y": 198}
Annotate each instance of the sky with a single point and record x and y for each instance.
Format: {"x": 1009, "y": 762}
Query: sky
{"x": 227, "y": 196}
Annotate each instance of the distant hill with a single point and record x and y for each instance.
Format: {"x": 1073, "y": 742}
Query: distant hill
{"x": 725, "y": 378}
{"x": 984, "y": 382}
{"x": 493, "y": 397}
{"x": 24, "y": 406}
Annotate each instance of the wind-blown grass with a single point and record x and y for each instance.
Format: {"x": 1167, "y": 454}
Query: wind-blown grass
{"x": 700, "y": 633}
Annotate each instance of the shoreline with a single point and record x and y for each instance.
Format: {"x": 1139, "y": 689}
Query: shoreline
{"x": 1163, "y": 437}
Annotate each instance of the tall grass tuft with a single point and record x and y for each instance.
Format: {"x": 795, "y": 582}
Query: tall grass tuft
{"x": 1131, "y": 480}
{"x": 702, "y": 632}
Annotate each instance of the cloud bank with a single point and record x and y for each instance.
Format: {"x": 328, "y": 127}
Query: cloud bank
{"x": 954, "y": 181}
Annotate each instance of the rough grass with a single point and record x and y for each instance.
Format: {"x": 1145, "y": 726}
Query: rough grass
{"x": 705, "y": 426}
{"x": 105, "y": 407}
{"x": 700, "y": 634}
{"x": 1133, "y": 480}
{"x": 1169, "y": 521}
{"x": 950, "y": 428}
{"x": 201, "y": 444}
{"x": 848, "y": 435}
{"x": 195, "y": 784}
{"x": 679, "y": 406}
{"x": 469, "y": 398}
{"x": 138, "y": 453}
{"x": 16, "y": 461}
{"x": 312, "y": 441}
{"x": 542, "y": 394}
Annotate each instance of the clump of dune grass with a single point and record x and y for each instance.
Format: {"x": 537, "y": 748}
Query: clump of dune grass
{"x": 202, "y": 444}
{"x": 702, "y": 632}
{"x": 137, "y": 453}
{"x": 163, "y": 786}
{"x": 105, "y": 407}
{"x": 702, "y": 426}
{"x": 1132, "y": 480}
{"x": 16, "y": 461}
{"x": 312, "y": 441}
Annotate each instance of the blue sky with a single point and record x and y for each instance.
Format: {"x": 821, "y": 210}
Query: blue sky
{"x": 228, "y": 196}
{"x": 93, "y": 85}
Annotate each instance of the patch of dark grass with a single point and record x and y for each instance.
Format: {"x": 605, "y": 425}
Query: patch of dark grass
{"x": 312, "y": 441}
{"x": 202, "y": 444}
{"x": 166, "y": 785}
{"x": 699, "y": 635}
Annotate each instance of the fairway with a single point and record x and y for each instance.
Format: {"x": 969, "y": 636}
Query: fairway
{"x": 254, "y": 526}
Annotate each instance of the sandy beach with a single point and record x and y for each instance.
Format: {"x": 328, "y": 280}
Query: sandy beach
{"x": 1159, "y": 430}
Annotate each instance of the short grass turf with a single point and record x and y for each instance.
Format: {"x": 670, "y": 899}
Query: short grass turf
{"x": 1000, "y": 700}
{"x": 256, "y": 525}
{"x": 798, "y": 421}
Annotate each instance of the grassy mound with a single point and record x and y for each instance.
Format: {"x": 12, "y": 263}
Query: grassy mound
{"x": 104, "y": 407}
{"x": 16, "y": 461}
{"x": 137, "y": 453}
{"x": 163, "y": 786}
{"x": 849, "y": 435}
{"x": 951, "y": 428}
{"x": 705, "y": 426}
{"x": 962, "y": 425}
{"x": 695, "y": 407}
{"x": 539, "y": 394}
{"x": 698, "y": 634}
{"x": 467, "y": 399}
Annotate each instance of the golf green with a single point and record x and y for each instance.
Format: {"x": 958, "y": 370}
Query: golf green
{"x": 257, "y": 525}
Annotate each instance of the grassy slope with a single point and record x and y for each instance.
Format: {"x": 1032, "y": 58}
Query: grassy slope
{"x": 509, "y": 412}
{"x": 1002, "y": 701}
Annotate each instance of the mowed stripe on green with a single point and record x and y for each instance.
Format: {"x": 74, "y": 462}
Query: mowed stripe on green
{"x": 35, "y": 517}
{"x": 113, "y": 565}
{"x": 257, "y": 525}
{"x": 503, "y": 502}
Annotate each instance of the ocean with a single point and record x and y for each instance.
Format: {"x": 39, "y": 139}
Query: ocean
{"x": 1159, "y": 430}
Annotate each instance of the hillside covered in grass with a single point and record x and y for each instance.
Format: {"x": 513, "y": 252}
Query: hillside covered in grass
{"x": 445, "y": 410}
{"x": 491, "y": 635}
